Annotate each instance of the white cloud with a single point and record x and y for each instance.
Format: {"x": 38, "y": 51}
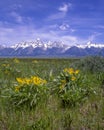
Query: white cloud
{"x": 59, "y": 15}
{"x": 65, "y": 7}
{"x": 15, "y": 34}
{"x": 64, "y": 27}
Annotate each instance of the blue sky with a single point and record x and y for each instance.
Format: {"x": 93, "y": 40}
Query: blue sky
{"x": 70, "y": 21}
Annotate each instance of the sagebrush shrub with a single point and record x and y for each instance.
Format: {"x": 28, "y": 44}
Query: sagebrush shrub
{"x": 94, "y": 64}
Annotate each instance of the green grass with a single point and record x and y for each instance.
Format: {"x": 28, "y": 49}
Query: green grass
{"x": 48, "y": 115}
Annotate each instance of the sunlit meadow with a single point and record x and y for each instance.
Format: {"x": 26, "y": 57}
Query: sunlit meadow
{"x": 52, "y": 94}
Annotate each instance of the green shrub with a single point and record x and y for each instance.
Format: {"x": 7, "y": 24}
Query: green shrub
{"x": 28, "y": 92}
{"x": 94, "y": 64}
{"x": 72, "y": 87}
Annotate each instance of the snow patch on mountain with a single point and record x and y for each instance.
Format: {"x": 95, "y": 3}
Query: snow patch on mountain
{"x": 89, "y": 45}
{"x": 38, "y": 43}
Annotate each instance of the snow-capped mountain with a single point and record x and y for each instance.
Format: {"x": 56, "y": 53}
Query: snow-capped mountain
{"x": 89, "y": 45}
{"x": 40, "y": 44}
{"x": 39, "y": 48}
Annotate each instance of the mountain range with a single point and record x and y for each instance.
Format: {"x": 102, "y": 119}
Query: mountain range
{"x": 39, "y": 48}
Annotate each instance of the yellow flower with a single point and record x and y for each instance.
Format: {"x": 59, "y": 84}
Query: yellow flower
{"x": 23, "y": 81}
{"x": 38, "y": 81}
{"x": 20, "y": 80}
{"x": 73, "y": 78}
{"x": 33, "y": 80}
{"x": 27, "y": 81}
{"x": 77, "y": 71}
{"x": 69, "y": 70}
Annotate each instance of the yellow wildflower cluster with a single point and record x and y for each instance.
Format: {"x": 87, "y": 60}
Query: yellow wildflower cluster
{"x": 38, "y": 81}
{"x": 73, "y": 75}
{"x": 23, "y": 81}
{"x": 71, "y": 71}
{"x": 33, "y": 80}
{"x": 29, "y": 81}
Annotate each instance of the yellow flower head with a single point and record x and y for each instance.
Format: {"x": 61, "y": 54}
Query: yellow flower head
{"x": 69, "y": 70}
{"x": 77, "y": 71}
{"x": 73, "y": 78}
{"x": 27, "y": 81}
{"x": 33, "y": 80}
{"x": 37, "y": 80}
{"x": 20, "y": 80}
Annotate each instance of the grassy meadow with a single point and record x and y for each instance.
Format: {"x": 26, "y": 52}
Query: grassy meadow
{"x": 52, "y": 94}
